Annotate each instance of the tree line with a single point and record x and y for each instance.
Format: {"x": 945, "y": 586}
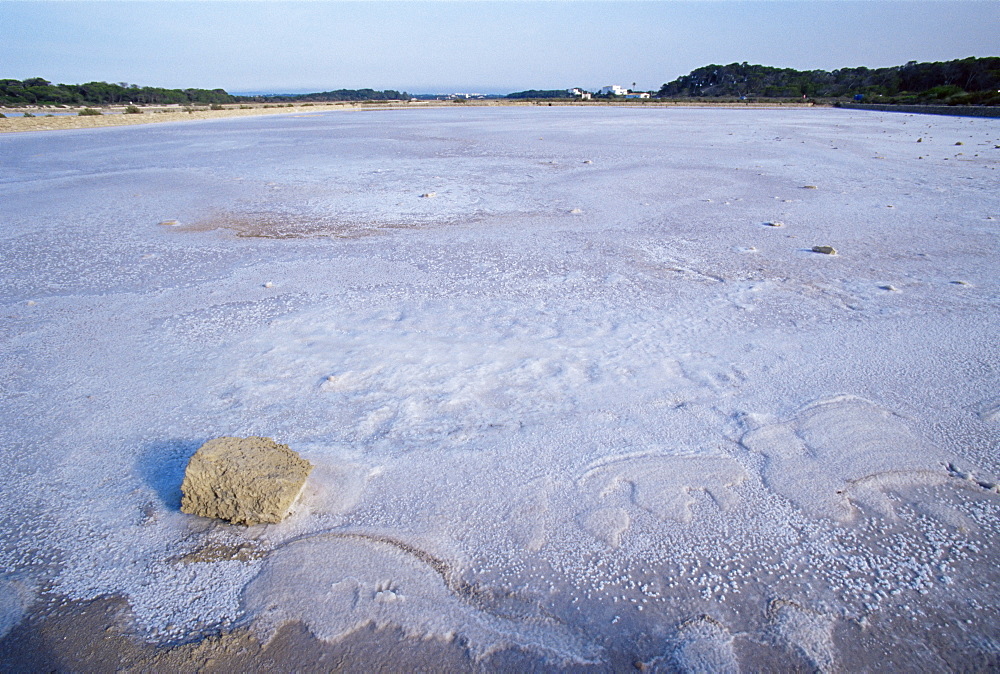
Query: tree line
{"x": 969, "y": 81}
{"x": 540, "y": 93}
{"x": 332, "y": 96}
{"x": 974, "y": 81}
{"x": 38, "y": 91}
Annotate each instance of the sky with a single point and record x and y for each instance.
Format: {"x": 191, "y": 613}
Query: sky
{"x": 490, "y": 46}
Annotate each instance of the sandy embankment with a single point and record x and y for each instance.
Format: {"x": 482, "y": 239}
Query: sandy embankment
{"x": 113, "y": 116}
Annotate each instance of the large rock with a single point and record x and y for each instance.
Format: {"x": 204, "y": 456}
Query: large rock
{"x": 243, "y": 480}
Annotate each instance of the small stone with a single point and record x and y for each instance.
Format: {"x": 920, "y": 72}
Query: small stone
{"x": 959, "y": 143}
{"x": 890, "y": 288}
{"x": 169, "y": 223}
{"x": 587, "y": 161}
{"x": 920, "y": 140}
{"x": 243, "y": 480}
{"x": 775, "y": 223}
{"x": 428, "y": 195}
{"x": 268, "y": 285}
{"x": 575, "y": 211}
{"x": 809, "y": 187}
{"x": 825, "y": 250}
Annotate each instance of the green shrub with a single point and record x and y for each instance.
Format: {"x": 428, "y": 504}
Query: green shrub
{"x": 989, "y": 98}
{"x": 3, "y": 116}
{"x": 246, "y": 107}
{"x": 959, "y": 99}
{"x": 27, "y": 114}
{"x": 216, "y": 106}
{"x": 132, "y": 110}
{"x": 944, "y": 91}
{"x": 89, "y": 112}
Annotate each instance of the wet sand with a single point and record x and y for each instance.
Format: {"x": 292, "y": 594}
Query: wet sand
{"x": 96, "y": 636}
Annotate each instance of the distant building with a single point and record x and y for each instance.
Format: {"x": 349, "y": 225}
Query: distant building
{"x": 614, "y": 90}
{"x": 637, "y": 94}
{"x": 579, "y": 93}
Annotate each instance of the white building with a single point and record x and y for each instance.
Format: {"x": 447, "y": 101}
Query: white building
{"x": 637, "y": 94}
{"x": 579, "y": 93}
{"x": 613, "y": 89}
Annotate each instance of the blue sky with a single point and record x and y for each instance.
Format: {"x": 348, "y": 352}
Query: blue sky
{"x": 493, "y": 47}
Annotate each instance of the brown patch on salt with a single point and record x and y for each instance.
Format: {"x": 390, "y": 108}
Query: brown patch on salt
{"x": 219, "y": 552}
{"x": 276, "y": 225}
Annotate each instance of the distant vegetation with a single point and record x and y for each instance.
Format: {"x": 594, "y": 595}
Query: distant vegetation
{"x": 540, "y": 93}
{"x": 970, "y": 81}
{"x": 37, "y": 91}
{"x": 330, "y": 96}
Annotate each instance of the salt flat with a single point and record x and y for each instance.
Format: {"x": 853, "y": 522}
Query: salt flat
{"x": 568, "y": 389}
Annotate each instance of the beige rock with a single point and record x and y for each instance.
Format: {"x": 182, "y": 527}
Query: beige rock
{"x": 826, "y": 250}
{"x": 243, "y": 480}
